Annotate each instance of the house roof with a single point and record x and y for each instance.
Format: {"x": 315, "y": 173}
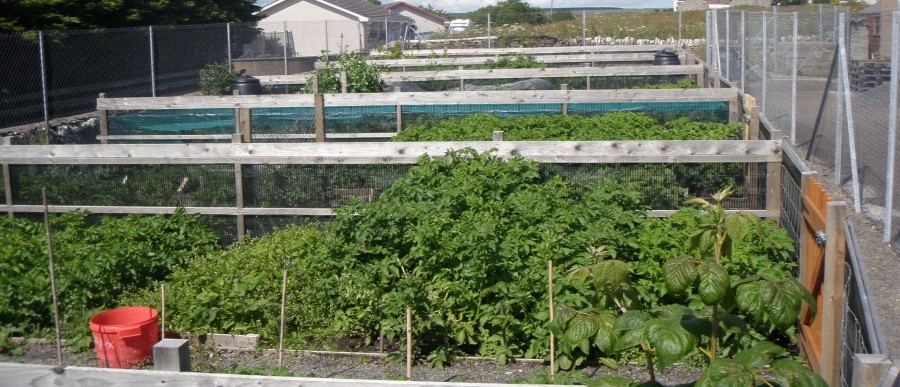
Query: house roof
{"x": 362, "y": 10}
{"x": 413, "y": 8}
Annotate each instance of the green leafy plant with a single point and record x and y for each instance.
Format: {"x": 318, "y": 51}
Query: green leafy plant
{"x": 513, "y": 61}
{"x": 362, "y": 77}
{"x": 216, "y": 78}
{"x": 8, "y": 346}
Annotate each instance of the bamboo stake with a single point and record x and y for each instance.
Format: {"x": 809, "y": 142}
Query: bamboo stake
{"x": 162, "y": 291}
{"x": 552, "y": 336}
{"x": 281, "y": 330}
{"x": 52, "y": 277}
{"x": 408, "y": 343}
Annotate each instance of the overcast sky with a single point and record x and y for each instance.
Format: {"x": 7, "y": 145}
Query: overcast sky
{"x": 471, "y": 5}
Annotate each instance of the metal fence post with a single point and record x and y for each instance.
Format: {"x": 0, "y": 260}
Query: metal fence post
{"x": 851, "y": 143}
{"x": 838, "y": 132}
{"x": 794, "y": 81}
{"x": 284, "y": 46}
{"x": 152, "y": 65}
{"x": 775, "y": 37}
{"x": 583, "y": 28}
{"x": 728, "y": 45}
{"x": 386, "y": 42}
{"x": 489, "y": 30}
{"x": 743, "y": 50}
{"x": 679, "y": 28}
{"x": 327, "y": 41}
{"x": 708, "y": 43}
{"x": 892, "y": 128}
{"x": 44, "y": 80}
{"x": 765, "y": 63}
{"x": 821, "y": 25}
{"x": 7, "y": 180}
{"x": 228, "y": 40}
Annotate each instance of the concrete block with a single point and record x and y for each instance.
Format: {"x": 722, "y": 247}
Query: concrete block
{"x": 245, "y": 342}
{"x": 172, "y": 355}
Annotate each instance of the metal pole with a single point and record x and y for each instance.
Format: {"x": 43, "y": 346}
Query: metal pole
{"x": 794, "y": 81}
{"x": 715, "y": 37}
{"x": 775, "y": 37}
{"x": 228, "y": 39}
{"x": 327, "y": 41}
{"x": 765, "y": 63}
{"x": 821, "y": 25}
{"x": 838, "y": 130}
{"x": 679, "y": 28}
{"x": 52, "y": 277}
{"x": 728, "y": 45}
{"x": 743, "y": 51}
{"x": 284, "y": 46}
{"x": 892, "y": 128}
{"x": 845, "y": 79}
{"x": 583, "y": 28}
{"x": 44, "y": 80}
{"x": 152, "y": 66}
{"x": 489, "y": 30}
{"x": 386, "y": 42}
{"x": 708, "y": 43}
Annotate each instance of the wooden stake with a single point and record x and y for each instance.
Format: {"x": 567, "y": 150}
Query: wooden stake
{"x": 408, "y": 343}
{"x": 833, "y": 286}
{"x": 52, "y": 277}
{"x": 281, "y": 330}
{"x": 162, "y": 297}
{"x": 552, "y": 336}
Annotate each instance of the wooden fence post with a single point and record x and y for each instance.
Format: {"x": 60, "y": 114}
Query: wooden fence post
{"x": 717, "y": 79}
{"x": 239, "y": 193}
{"x": 103, "y": 117}
{"x": 773, "y": 190}
{"x": 497, "y": 135}
{"x": 565, "y": 104}
{"x": 803, "y": 249}
{"x": 343, "y": 82}
{"x": 868, "y": 369}
{"x": 734, "y": 109}
{"x": 7, "y": 181}
{"x": 462, "y": 82}
{"x": 319, "y": 105}
{"x": 833, "y": 288}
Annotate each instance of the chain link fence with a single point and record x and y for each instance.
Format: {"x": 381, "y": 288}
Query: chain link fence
{"x": 827, "y": 80}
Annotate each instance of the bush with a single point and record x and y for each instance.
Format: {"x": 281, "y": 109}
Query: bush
{"x": 215, "y": 79}
{"x": 361, "y": 76}
{"x": 513, "y": 61}
{"x": 96, "y": 263}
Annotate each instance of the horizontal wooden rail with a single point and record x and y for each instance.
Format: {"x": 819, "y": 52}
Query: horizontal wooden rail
{"x": 562, "y": 72}
{"x": 549, "y": 59}
{"x": 397, "y": 152}
{"x": 419, "y": 98}
{"x": 524, "y": 50}
{"x": 139, "y": 137}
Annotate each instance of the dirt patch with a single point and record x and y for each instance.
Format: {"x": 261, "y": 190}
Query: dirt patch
{"x": 321, "y": 365}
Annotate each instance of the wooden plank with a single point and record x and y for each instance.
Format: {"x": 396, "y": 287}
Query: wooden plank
{"x": 525, "y": 50}
{"x": 165, "y": 210}
{"x": 418, "y": 98}
{"x": 549, "y": 59}
{"x": 33, "y": 375}
{"x": 319, "y": 100}
{"x": 312, "y": 136}
{"x": 397, "y": 152}
{"x": 773, "y": 188}
{"x": 550, "y": 72}
{"x": 833, "y": 287}
{"x": 239, "y": 201}
{"x": 245, "y": 124}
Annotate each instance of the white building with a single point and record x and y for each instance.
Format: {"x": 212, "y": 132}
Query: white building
{"x": 309, "y": 27}
{"x": 426, "y": 21}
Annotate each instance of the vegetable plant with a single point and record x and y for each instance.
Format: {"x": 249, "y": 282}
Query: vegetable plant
{"x": 362, "y": 77}
{"x": 216, "y": 78}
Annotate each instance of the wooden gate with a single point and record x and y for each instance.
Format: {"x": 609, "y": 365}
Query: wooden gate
{"x": 812, "y": 272}
{"x": 823, "y": 254}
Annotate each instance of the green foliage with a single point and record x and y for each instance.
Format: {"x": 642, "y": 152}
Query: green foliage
{"x": 7, "y": 345}
{"x": 215, "y": 79}
{"x": 513, "y": 61}
{"x": 764, "y": 364}
{"x": 69, "y": 14}
{"x": 509, "y": 12}
{"x": 436, "y": 11}
{"x": 684, "y": 83}
{"x": 362, "y": 77}
{"x": 606, "y": 127}
{"x": 96, "y": 263}
{"x": 238, "y": 290}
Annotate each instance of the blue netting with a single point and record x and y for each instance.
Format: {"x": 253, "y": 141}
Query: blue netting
{"x": 181, "y": 121}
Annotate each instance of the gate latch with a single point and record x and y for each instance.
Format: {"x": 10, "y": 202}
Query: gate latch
{"x": 821, "y": 238}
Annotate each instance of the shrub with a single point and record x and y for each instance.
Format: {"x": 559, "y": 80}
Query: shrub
{"x": 362, "y": 77}
{"x": 215, "y": 79}
{"x": 513, "y": 61}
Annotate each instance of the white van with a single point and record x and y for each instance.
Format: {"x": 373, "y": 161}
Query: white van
{"x": 459, "y": 25}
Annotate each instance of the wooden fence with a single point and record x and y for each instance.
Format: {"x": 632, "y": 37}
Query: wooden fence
{"x": 243, "y": 104}
{"x": 563, "y": 59}
{"x": 240, "y": 154}
{"x": 463, "y": 75}
{"x": 456, "y": 52}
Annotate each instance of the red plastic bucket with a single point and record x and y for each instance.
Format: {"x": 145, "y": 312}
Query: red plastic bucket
{"x": 124, "y": 337}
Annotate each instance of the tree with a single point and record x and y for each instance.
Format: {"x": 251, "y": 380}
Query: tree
{"x": 436, "y": 11}
{"x": 509, "y": 12}
{"x": 73, "y": 14}
{"x": 788, "y": 2}
{"x": 376, "y": 2}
